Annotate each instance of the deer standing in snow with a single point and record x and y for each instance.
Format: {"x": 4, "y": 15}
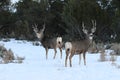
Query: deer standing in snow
{"x": 79, "y": 46}
{"x": 48, "y": 43}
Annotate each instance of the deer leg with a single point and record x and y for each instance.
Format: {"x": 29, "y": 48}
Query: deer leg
{"x": 46, "y": 53}
{"x": 60, "y": 52}
{"x": 79, "y": 58}
{"x": 66, "y": 59}
{"x": 84, "y": 58}
{"x": 70, "y": 59}
{"x": 55, "y": 53}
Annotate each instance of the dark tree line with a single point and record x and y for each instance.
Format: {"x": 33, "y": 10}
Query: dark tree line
{"x": 61, "y": 17}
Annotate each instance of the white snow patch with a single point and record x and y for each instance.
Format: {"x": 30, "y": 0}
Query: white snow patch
{"x": 36, "y": 67}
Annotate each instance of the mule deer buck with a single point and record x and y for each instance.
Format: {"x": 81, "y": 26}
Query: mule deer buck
{"x": 79, "y": 46}
{"x": 48, "y": 43}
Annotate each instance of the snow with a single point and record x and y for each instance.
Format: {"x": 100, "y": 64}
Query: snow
{"x": 36, "y": 67}
{"x": 14, "y": 1}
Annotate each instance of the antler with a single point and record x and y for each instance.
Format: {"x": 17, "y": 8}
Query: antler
{"x": 43, "y": 27}
{"x": 35, "y": 29}
{"x": 94, "y": 26}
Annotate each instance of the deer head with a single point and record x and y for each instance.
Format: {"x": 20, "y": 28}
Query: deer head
{"x": 92, "y": 30}
{"x": 39, "y": 33}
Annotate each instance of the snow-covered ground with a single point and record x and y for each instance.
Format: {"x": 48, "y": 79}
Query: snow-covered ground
{"x": 36, "y": 67}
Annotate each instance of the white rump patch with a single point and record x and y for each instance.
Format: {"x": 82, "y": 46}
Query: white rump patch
{"x": 59, "y": 39}
{"x": 68, "y": 45}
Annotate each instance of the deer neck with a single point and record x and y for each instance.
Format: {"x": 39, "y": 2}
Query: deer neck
{"x": 89, "y": 38}
{"x": 40, "y": 35}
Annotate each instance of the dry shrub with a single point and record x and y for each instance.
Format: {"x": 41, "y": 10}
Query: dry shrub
{"x": 7, "y": 56}
{"x": 100, "y": 47}
{"x": 103, "y": 57}
{"x": 19, "y": 59}
{"x": 118, "y": 66}
{"x": 116, "y": 48}
{"x": 93, "y": 48}
{"x": 113, "y": 55}
{"x": 113, "y": 58}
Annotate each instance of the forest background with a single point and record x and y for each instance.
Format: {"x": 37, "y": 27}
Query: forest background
{"x": 61, "y": 18}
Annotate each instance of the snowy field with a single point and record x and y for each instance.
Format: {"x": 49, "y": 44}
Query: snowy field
{"x": 36, "y": 67}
